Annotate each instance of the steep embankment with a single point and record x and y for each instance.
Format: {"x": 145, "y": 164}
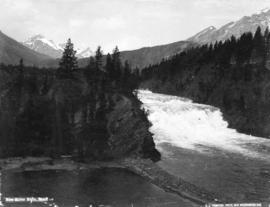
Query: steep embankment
{"x": 128, "y": 129}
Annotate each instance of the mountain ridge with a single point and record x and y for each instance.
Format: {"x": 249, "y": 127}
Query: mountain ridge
{"x": 41, "y": 44}
{"x": 236, "y": 28}
{"x": 11, "y": 52}
{"x": 145, "y": 56}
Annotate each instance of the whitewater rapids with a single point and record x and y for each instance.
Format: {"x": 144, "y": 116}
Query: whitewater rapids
{"x": 180, "y": 122}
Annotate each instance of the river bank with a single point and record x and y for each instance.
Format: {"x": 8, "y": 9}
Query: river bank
{"x": 19, "y": 164}
{"x": 142, "y": 167}
{"x": 170, "y": 183}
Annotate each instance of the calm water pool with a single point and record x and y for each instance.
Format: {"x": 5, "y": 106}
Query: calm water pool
{"x": 111, "y": 187}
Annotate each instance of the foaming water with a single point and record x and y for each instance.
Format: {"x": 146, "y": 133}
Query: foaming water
{"x": 188, "y": 125}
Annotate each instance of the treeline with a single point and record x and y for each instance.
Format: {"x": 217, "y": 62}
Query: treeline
{"x": 248, "y": 49}
{"x": 232, "y": 75}
{"x": 111, "y": 71}
{"x": 64, "y": 111}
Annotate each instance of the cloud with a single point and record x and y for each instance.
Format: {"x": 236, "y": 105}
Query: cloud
{"x": 155, "y": 1}
{"x": 228, "y": 5}
{"x": 109, "y": 23}
{"x": 129, "y": 42}
{"x": 18, "y": 9}
{"x": 76, "y": 22}
{"x": 127, "y": 23}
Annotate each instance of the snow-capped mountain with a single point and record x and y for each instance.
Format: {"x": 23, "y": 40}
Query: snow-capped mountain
{"x": 80, "y": 53}
{"x": 42, "y": 45}
{"x": 85, "y": 53}
{"x": 204, "y": 33}
{"x": 245, "y": 24}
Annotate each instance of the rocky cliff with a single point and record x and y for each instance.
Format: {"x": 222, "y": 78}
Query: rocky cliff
{"x": 128, "y": 129}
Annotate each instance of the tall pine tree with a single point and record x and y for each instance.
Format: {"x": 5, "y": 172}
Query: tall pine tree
{"x": 116, "y": 64}
{"x": 259, "y": 47}
{"x": 98, "y": 58}
{"x": 109, "y": 66}
{"x": 68, "y": 61}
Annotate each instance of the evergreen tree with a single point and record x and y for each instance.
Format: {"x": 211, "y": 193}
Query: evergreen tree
{"x": 21, "y": 68}
{"x": 91, "y": 74}
{"x": 109, "y": 66}
{"x": 92, "y": 63}
{"x": 98, "y": 58}
{"x": 267, "y": 53}
{"x": 258, "y": 51}
{"x": 244, "y": 48}
{"x": 91, "y": 67}
{"x": 136, "y": 72}
{"x": 127, "y": 70}
{"x": 68, "y": 61}
{"x": 116, "y": 63}
{"x": 266, "y": 45}
{"x": 21, "y": 65}
{"x": 266, "y": 32}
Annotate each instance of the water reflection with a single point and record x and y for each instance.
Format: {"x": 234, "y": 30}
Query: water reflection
{"x": 107, "y": 187}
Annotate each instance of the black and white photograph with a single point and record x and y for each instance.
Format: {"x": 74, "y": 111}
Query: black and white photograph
{"x": 135, "y": 103}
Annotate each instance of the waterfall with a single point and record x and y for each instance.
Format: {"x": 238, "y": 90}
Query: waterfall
{"x": 182, "y": 123}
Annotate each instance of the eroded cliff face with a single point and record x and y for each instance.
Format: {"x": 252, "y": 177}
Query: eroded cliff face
{"x": 128, "y": 130}
{"x": 42, "y": 115}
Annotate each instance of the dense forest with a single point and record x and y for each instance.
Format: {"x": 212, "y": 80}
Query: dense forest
{"x": 73, "y": 111}
{"x": 232, "y": 75}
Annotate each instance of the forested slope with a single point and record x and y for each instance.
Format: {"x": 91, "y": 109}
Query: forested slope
{"x": 232, "y": 75}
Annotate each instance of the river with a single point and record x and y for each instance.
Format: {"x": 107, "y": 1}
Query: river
{"x": 197, "y": 145}
{"x": 99, "y": 187}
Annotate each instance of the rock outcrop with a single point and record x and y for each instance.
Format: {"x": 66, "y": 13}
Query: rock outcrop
{"x": 128, "y": 129}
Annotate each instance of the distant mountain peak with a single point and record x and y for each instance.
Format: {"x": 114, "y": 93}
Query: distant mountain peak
{"x": 208, "y": 29}
{"x": 80, "y": 53}
{"x": 37, "y": 36}
{"x": 237, "y": 28}
{"x": 265, "y": 10}
{"x": 211, "y": 28}
{"x": 87, "y": 52}
{"x": 12, "y": 51}
{"x": 202, "y": 33}
{"x": 41, "y": 44}
{"x": 43, "y": 39}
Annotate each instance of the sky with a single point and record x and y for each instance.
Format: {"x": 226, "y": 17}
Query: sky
{"x": 130, "y": 24}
